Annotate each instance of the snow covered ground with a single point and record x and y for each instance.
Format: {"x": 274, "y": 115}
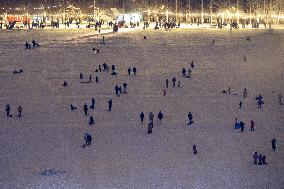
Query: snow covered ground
{"x": 122, "y": 154}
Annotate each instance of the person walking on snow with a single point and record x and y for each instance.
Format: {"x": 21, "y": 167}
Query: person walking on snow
{"x": 178, "y": 84}
{"x": 280, "y": 99}
{"x": 174, "y": 81}
{"x": 273, "y": 144}
{"x": 20, "y": 111}
{"x": 109, "y": 105}
{"x": 8, "y": 110}
{"x": 35, "y": 44}
{"x": 194, "y": 149}
{"x": 92, "y": 121}
{"x": 165, "y": 92}
{"x": 116, "y": 90}
{"x": 93, "y": 103}
{"x": 245, "y": 93}
{"x": 242, "y": 125}
{"x": 255, "y": 158}
{"x": 134, "y": 71}
{"x": 240, "y": 104}
{"x": 142, "y": 116}
{"x": 190, "y": 117}
{"x": 129, "y": 71}
{"x": 260, "y": 159}
{"x": 124, "y": 88}
{"x": 189, "y": 72}
{"x": 192, "y": 65}
{"x": 150, "y": 128}
{"x": 251, "y": 125}
{"x": 151, "y": 117}
{"x": 167, "y": 83}
{"x": 183, "y": 72}
{"x": 160, "y": 116}
{"x": 86, "y": 109}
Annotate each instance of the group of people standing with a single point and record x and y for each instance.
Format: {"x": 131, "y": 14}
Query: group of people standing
{"x": 8, "y": 109}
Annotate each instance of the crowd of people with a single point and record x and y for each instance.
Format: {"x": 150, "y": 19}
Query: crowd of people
{"x": 258, "y": 159}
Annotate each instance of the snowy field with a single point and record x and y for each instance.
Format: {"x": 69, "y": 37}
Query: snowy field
{"x": 122, "y": 155}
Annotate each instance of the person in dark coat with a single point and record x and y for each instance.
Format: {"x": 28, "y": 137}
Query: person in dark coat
{"x": 112, "y": 67}
{"x": 236, "y": 123}
{"x": 190, "y": 117}
{"x": 109, "y": 105}
{"x": 273, "y": 144}
{"x": 73, "y": 107}
{"x": 64, "y": 84}
{"x": 20, "y": 111}
{"x": 263, "y": 160}
{"x": 259, "y": 102}
{"x": 116, "y": 90}
{"x": 107, "y": 68}
{"x": 35, "y": 44}
{"x": 81, "y": 76}
{"x": 192, "y": 65}
{"x": 93, "y": 103}
{"x": 113, "y": 70}
{"x": 160, "y": 116}
{"x": 189, "y": 72}
{"x": 251, "y": 125}
{"x": 240, "y": 104}
{"x": 229, "y": 90}
{"x": 174, "y": 81}
{"x": 90, "y": 78}
{"x": 8, "y": 110}
{"x": 167, "y": 83}
{"x": 150, "y": 128}
{"x": 194, "y": 149}
{"x": 134, "y": 71}
{"x": 89, "y": 139}
{"x": 86, "y": 139}
{"x": 260, "y": 159}
{"x": 92, "y": 121}
{"x": 124, "y": 86}
{"x": 97, "y": 79}
{"x": 86, "y": 109}
{"x": 142, "y": 116}
{"x": 151, "y": 117}
{"x": 245, "y": 93}
{"x": 27, "y": 45}
{"x": 183, "y": 72}
{"x": 100, "y": 68}
{"x": 129, "y": 71}
{"x": 165, "y": 92}
{"x": 242, "y": 125}
{"x": 104, "y": 66}
{"x": 255, "y": 158}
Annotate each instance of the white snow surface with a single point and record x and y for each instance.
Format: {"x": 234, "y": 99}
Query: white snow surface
{"x": 122, "y": 155}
